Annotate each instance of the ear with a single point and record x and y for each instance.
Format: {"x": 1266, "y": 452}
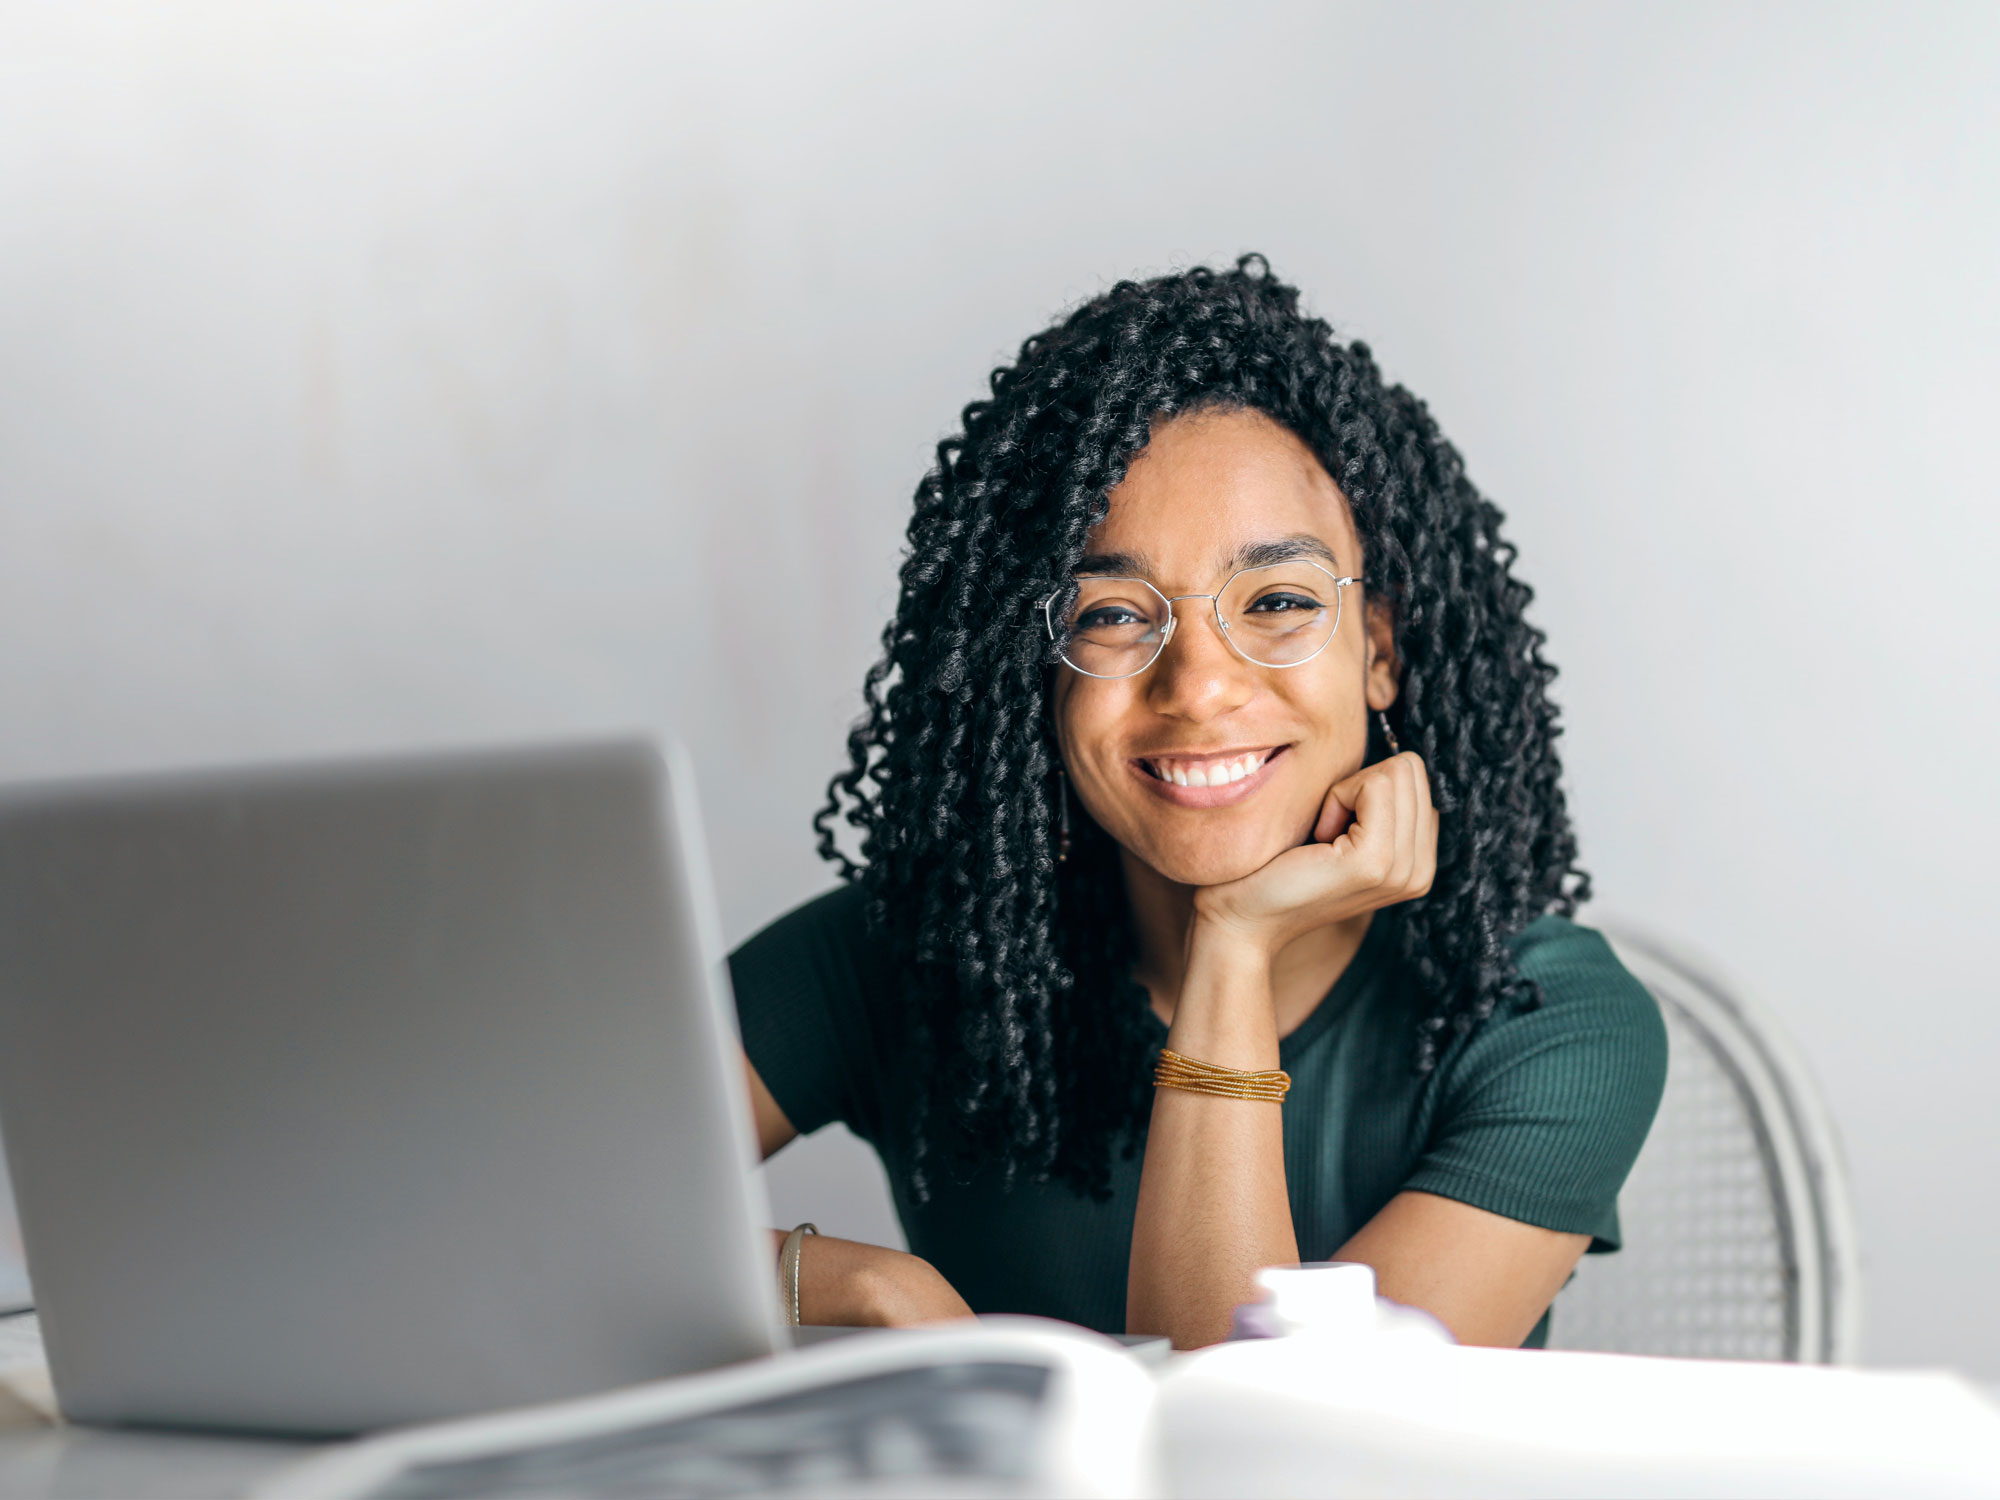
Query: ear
{"x": 1383, "y": 673}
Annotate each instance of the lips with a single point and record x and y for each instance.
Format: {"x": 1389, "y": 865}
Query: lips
{"x": 1219, "y": 779}
{"x": 1206, "y": 770}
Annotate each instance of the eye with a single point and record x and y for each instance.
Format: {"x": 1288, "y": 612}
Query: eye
{"x": 1108, "y": 617}
{"x": 1279, "y": 601}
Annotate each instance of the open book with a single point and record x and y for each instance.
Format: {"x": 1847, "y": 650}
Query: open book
{"x": 1021, "y": 1407}
{"x": 1007, "y": 1406}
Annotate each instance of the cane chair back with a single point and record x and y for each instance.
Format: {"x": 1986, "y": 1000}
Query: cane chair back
{"x": 1738, "y": 1236}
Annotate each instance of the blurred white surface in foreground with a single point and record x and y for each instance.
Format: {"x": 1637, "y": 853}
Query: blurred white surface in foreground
{"x": 1298, "y": 1416}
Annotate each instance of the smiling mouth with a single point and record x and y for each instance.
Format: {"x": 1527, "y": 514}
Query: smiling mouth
{"x": 1208, "y": 770}
{"x": 1202, "y": 782}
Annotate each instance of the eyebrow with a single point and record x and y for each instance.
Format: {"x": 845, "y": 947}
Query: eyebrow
{"x": 1285, "y": 549}
{"x": 1250, "y": 555}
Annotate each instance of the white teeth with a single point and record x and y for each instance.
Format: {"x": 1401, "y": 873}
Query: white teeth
{"x": 1208, "y": 773}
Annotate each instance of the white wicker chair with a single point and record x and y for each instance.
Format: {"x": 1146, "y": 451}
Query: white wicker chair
{"x": 1739, "y": 1239}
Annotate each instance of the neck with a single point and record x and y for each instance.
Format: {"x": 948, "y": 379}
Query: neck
{"x": 1163, "y": 926}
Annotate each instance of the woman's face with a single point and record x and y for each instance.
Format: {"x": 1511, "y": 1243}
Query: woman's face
{"x": 1207, "y": 489}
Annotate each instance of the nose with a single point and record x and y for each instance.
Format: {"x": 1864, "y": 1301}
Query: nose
{"x": 1198, "y": 676}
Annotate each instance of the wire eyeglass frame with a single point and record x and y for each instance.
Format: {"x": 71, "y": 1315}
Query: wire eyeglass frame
{"x": 1173, "y": 619}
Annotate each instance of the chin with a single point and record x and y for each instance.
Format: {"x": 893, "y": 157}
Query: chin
{"x": 1217, "y": 861}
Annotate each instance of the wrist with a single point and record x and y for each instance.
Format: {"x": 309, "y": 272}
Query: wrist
{"x": 1224, "y": 1013}
{"x": 1222, "y": 941}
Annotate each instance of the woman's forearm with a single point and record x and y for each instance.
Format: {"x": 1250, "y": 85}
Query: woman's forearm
{"x": 845, "y": 1283}
{"x": 1212, "y": 1204}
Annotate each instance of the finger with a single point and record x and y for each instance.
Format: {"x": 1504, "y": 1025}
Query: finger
{"x": 1342, "y": 804}
{"x": 1427, "y": 833}
{"x": 1405, "y": 865}
{"x": 1423, "y": 775}
{"x": 1347, "y": 790}
{"x": 1334, "y": 816}
{"x": 1370, "y": 840}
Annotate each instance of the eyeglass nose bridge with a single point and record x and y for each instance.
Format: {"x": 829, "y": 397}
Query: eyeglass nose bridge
{"x": 1174, "y": 619}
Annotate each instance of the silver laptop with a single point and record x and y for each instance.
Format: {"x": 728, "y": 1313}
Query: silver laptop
{"x": 370, "y": 1093}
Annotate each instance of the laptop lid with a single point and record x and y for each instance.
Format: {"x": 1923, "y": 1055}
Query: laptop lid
{"x": 345, "y": 1095}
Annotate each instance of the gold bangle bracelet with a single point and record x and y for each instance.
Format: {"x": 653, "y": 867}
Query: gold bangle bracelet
{"x": 1176, "y": 1071}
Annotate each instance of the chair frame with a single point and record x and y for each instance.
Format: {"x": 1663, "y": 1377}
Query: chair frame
{"x": 1795, "y": 1133}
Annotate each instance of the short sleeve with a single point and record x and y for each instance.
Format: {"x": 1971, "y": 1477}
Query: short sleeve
{"x": 807, "y": 988}
{"x": 1543, "y": 1108}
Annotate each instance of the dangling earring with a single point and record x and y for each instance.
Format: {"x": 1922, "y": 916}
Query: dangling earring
{"x": 1062, "y": 818}
{"x": 1388, "y": 733}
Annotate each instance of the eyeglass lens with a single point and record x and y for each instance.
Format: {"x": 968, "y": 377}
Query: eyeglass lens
{"x": 1275, "y": 616}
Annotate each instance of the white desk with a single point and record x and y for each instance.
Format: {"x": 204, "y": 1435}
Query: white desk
{"x": 84, "y": 1463}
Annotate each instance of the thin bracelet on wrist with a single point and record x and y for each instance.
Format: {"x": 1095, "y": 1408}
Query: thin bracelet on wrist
{"x": 788, "y": 1271}
{"x": 1176, "y": 1071}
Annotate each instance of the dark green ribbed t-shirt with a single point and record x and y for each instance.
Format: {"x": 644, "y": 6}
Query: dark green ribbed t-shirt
{"x": 1537, "y": 1115}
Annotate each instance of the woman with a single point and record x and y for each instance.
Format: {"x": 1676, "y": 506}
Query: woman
{"x": 1210, "y": 754}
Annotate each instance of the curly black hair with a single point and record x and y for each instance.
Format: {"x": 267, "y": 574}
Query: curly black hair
{"x": 1015, "y": 967}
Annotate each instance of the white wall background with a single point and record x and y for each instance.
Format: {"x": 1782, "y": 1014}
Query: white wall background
{"x": 376, "y": 375}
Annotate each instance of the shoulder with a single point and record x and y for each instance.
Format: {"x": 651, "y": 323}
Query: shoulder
{"x": 1578, "y": 978}
{"x": 834, "y": 923}
{"x": 811, "y": 990}
{"x": 1585, "y": 1026}
{"x": 820, "y": 956}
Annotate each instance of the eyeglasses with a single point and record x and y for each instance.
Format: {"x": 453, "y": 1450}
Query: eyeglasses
{"x": 1281, "y": 615}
